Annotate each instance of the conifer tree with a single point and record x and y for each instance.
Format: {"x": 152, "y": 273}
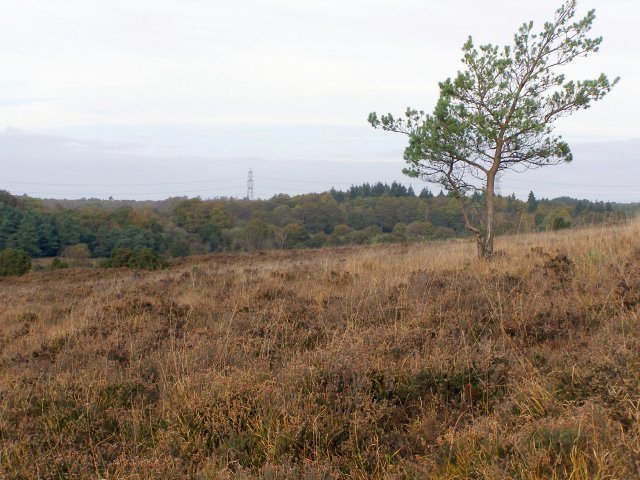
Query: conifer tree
{"x": 498, "y": 113}
{"x": 532, "y": 203}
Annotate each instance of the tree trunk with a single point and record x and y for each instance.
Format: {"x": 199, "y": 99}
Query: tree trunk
{"x": 481, "y": 246}
{"x": 485, "y": 241}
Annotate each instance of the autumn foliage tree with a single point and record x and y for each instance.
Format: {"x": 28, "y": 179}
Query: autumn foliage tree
{"x": 498, "y": 114}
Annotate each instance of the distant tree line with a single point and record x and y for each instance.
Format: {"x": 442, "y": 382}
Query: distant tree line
{"x": 180, "y": 226}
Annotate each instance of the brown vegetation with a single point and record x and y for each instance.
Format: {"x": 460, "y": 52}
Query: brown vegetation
{"x": 374, "y": 362}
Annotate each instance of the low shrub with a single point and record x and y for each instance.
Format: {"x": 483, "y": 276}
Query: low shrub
{"x": 58, "y": 264}
{"x": 14, "y": 262}
{"x": 140, "y": 259}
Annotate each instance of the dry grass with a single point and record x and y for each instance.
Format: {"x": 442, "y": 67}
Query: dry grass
{"x": 379, "y": 362}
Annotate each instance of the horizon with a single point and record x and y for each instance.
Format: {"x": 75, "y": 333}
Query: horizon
{"x": 101, "y": 100}
{"x": 434, "y": 189}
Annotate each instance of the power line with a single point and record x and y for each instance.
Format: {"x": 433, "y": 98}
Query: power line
{"x": 286, "y": 180}
{"x": 290, "y": 189}
{"x": 328, "y": 182}
{"x": 134, "y": 193}
{"x": 119, "y": 184}
{"x": 280, "y": 188}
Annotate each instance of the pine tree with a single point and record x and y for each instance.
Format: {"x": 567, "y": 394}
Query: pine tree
{"x": 532, "y": 203}
{"x": 498, "y": 114}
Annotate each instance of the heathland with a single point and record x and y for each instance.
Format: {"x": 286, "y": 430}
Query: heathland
{"x": 383, "y": 361}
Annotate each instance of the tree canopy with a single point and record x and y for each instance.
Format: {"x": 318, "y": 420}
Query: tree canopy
{"x": 176, "y": 227}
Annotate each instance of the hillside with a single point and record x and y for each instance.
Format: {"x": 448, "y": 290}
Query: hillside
{"x": 384, "y": 361}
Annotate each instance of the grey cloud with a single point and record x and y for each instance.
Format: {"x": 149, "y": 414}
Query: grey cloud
{"x": 13, "y": 140}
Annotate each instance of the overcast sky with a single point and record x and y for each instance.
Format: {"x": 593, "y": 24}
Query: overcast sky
{"x": 146, "y": 99}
